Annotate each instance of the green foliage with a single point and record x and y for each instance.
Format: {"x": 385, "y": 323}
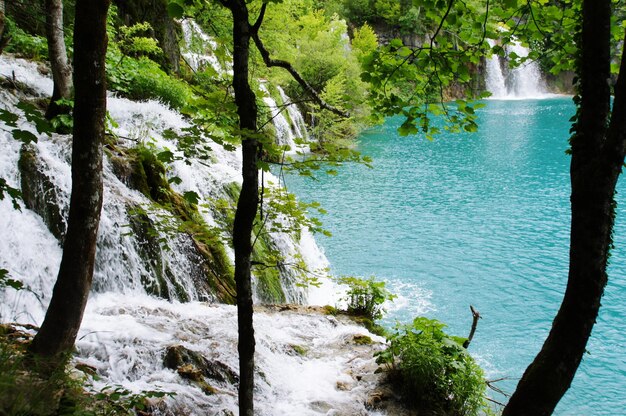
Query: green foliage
{"x": 142, "y": 79}
{"x": 33, "y": 116}
{"x": 366, "y": 297}
{"x": 6, "y": 281}
{"x": 121, "y": 401}
{"x": 22, "y": 390}
{"x": 135, "y": 75}
{"x": 318, "y": 47}
{"x": 364, "y": 41}
{"x": 131, "y": 43}
{"x": 283, "y": 212}
{"x": 13, "y": 193}
{"x": 23, "y": 44}
{"x": 436, "y": 374}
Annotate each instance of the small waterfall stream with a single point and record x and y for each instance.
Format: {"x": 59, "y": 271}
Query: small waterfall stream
{"x": 199, "y": 49}
{"x": 127, "y": 330}
{"x": 522, "y": 82}
{"x": 290, "y": 129}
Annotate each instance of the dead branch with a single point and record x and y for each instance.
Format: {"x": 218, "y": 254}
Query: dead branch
{"x": 475, "y": 318}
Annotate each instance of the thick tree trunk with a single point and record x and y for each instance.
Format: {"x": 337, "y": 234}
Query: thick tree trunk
{"x": 247, "y": 203}
{"x": 597, "y": 158}
{"x": 61, "y": 68}
{"x": 63, "y": 318}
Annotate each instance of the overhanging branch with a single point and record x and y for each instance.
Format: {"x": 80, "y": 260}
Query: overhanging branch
{"x": 286, "y": 65}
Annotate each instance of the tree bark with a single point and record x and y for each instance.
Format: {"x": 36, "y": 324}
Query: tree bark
{"x": 64, "y": 315}
{"x": 61, "y": 68}
{"x": 3, "y": 39}
{"x": 247, "y": 203}
{"x": 597, "y": 159}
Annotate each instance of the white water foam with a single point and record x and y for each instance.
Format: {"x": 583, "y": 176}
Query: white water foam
{"x": 199, "y": 50}
{"x": 519, "y": 83}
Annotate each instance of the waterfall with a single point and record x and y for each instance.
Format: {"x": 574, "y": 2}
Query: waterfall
{"x": 128, "y": 259}
{"x": 494, "y": 79}
{"x": 522, "y": 82}
{"x": 289, "y": 123}
{"x": 199, "y": 48}
{"x": 299, "y": 126}
{"x": 309, "y": 363}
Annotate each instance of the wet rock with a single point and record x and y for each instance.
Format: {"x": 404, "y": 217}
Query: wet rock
{"x": 362, "y": 340}
{"x": 177, "y": 357}
{"x": 39, "y": 192}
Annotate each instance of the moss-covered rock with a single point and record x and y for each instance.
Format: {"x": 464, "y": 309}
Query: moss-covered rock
{"x": 39, "y": 193}
{"x": 362, "y": 340}
{"x": 269, "y": 288}
{"x": 155, "y": 282}
{"x": 212, "y": 271}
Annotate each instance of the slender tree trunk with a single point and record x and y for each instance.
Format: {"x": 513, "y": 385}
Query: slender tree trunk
{"x": 597, "y": 159}
{"x": 61, "y": 68}
{"x": 3, "y": 39}
{"x": 63, "y": 318}
{"x": 247, "y": 203}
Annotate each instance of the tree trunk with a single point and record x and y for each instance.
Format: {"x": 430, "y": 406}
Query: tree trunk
{"x": 64, "y": 315}
{"x": 61, "y": 68}
{"x": 597, "y": 158}
{"x": 3, "y": 39}
{"x": 247, "y": 203}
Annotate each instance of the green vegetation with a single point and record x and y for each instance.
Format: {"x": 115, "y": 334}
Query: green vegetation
{"x": 143, "y": 169}
{"x": 365, "y": 297}
{"x": 132, "y": 72}
{"x": 24, "y": 44}
{"x": 27, "y": 387}
{"x": 435, "y": 374}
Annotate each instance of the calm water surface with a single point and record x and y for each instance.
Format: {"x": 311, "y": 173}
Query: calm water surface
{"x": 478, "y": 219}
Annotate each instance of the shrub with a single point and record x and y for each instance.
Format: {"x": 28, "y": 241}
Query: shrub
{"x": 437, "y": 375}
{"x": 365, "y": 297}
{"x": 142, "y": 79}
{"x": 23, "y": 44}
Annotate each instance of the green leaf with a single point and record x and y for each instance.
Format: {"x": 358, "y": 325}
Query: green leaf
{"x": 9, "y": 118}
{"x": 191, "y": 197}
{"x": 175, "y": 10}
{"x": 24, "y": 136}
{"x": 6, "y": 281}
{"x": 166, "y": 156}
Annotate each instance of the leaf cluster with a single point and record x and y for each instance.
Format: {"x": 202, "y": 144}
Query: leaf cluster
{"x": 132, "y": 42}
{"x": 365, "y": 297}
{"x": 435, "y": 373}
{"x": 7, "y": 281}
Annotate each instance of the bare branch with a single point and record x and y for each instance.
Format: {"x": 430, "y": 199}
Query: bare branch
{"x": 475, "y": 318}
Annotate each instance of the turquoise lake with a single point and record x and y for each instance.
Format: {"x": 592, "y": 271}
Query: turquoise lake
{"x": 480, "y": 219}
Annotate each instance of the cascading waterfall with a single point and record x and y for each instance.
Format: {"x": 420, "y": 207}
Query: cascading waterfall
{"x": 127, "y": 329}
{"x": 522, "y": 82}
{"x": 199, "y": 50}
{"x": 299, "y": 126}
{"x": 494, "y": 79}
{"x": 287, "y": 133}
